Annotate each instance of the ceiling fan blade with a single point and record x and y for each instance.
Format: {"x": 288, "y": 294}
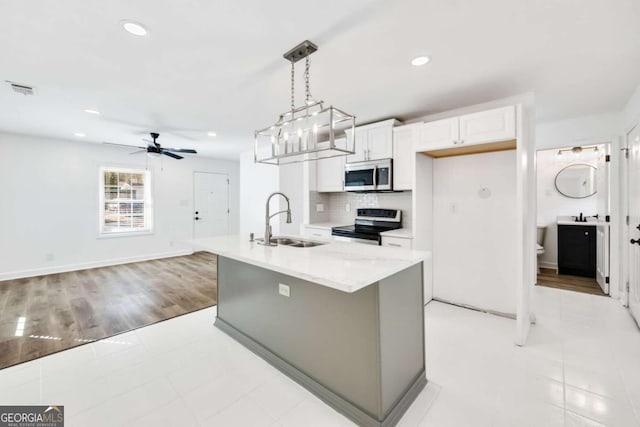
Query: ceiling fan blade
{"x": 181, "y": 150}
{"x": 123, "y": 145}
{"x": 170, "y": 154}
{"x": 144, "y": 150}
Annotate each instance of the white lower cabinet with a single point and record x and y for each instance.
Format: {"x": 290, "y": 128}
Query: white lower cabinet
{"x": 397, "y": 242}
{"x": 311, "y": 231}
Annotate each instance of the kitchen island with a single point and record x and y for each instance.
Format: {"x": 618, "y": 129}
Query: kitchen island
{"x": 345, "y": 320}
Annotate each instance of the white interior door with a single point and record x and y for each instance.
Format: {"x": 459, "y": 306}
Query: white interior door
{"x": 602, "y": 228}
{"x": 211, "y": 204}
{"x": 634, "y": 222}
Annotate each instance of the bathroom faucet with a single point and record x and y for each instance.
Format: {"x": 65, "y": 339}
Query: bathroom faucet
{"x": 268, "y": 216}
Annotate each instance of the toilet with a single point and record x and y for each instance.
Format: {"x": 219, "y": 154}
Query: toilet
{"x": 539, "y": 244}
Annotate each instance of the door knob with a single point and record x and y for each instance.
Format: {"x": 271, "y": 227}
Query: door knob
{"x": 197, "y": 212}
{"x": 638, "y": 226}
{"x": 635, "y": 242}
{"x": 197, "y": 218}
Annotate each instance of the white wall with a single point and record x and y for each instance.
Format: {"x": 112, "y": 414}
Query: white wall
{"x": 577, "y": 131}
{"x": 257, "y": 181}
{"x": 49, "y": 214}
{"x": 474, "y": 261}
{"x": 552, "y": 204}
{"x": 630, "y": 116}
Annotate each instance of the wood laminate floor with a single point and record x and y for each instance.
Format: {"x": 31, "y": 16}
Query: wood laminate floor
{"x": 549, "y": 278}
{"x": 61, "y": 311}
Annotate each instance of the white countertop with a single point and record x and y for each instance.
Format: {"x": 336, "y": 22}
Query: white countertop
{"x": 403, "y": 233}
{"x": 344, "y": 266}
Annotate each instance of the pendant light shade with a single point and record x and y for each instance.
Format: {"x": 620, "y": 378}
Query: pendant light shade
{"x": 309, "y": 132}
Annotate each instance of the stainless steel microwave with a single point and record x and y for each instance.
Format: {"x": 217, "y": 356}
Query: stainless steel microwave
{"x": 376, "y": 175}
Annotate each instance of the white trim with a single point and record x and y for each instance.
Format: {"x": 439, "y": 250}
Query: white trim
{"x": 113, "y": 234}
{"x": 92, "y": 264}
{"x": 547, "y": 264}
{"x": 148, "y": 201}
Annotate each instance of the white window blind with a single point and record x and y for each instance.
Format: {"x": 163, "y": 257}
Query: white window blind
{"x": 125, "y": 201}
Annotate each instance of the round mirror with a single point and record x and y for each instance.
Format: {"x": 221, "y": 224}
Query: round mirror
{"x": 577, "y": 181}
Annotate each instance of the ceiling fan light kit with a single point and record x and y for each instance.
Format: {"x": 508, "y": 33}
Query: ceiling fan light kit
{"x": 309, "y": 132}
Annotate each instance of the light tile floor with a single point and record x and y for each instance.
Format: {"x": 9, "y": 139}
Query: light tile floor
{"x": 581, "y": 367}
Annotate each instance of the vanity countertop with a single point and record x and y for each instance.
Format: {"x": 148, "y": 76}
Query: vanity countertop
{"x": 570, "y": 220}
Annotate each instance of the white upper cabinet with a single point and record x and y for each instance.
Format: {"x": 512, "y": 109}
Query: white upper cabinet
{"x": 360, "y": 146}
{"x": 330, "y": 174}
{"x": 438, "y": 134}
{"x": 488, "y": 126}
{"x": 373, "y": 142}
{"x": 380, "y": 143}
{"x": 478, "y": 128}
{"x": 404, "y": 141}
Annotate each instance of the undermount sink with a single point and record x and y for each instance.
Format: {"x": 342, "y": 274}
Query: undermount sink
{"x": 294, "y": 243}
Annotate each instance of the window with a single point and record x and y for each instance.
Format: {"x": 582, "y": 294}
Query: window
{"x": 125, "y": 201}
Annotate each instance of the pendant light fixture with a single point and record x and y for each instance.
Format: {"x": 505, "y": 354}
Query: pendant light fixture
{"x": 308, "y": 132}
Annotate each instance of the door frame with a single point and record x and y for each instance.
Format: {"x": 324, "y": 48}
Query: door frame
{"x": 616, "y": 214}
{"x": 624, "y": 227}
{"x": 193, "y": 195}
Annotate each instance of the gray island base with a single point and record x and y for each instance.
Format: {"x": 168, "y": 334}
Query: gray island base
{"x": 361, "y": 352}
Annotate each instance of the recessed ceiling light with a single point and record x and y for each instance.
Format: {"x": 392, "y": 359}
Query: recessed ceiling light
{"x": 420, "y": 60}
{"x": 211, "y": 133}
{"x": 135, "y": 28}
{"x": 79, "y": 134}
{"x": 95, "y": 112}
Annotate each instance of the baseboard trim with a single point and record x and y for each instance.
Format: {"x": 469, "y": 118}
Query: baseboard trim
{"x": 93, "y": 264}
{"x": 551, "y": 265}
{"x": 332, "y": 399}
{"x": 511, "y": 316}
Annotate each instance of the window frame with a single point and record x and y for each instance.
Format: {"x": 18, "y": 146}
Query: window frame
{"x": 147, "y": 202}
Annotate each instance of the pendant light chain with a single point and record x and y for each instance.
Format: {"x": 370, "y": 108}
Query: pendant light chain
{"x": 306, "y": 79}
{"x": 293, "y": 79}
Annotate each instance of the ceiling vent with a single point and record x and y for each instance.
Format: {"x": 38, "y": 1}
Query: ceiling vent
{"x": 22, "y": 89}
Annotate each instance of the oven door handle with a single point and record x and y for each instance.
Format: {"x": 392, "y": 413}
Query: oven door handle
{"x": 375, "y": 177}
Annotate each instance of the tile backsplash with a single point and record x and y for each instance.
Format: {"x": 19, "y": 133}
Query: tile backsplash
{"x": 335, "y": 205}
{"x": 314, "y": 199}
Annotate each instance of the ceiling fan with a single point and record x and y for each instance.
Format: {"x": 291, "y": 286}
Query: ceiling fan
{"x": 154, "y": 147}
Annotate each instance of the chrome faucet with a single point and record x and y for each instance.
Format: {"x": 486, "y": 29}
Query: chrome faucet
{"x": 268, "y": 216}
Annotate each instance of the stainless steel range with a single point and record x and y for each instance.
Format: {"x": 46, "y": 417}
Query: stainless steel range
{"x": 370, "y": 222}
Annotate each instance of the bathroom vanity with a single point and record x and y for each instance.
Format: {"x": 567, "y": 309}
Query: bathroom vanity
{"x": 577, "y": 248}
{"x": 344, "y": 320}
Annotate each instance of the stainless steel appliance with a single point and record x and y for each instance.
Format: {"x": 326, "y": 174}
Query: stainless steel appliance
{"x": 376, "y": 175}
{"x": 369, "y": 223}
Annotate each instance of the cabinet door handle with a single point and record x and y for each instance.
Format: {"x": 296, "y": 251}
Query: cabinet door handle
{"x": 635, "y": 242}
{"x": 461, "y": 141}
{"x": 455, "y": 142}
{"x": 394, "y": 244}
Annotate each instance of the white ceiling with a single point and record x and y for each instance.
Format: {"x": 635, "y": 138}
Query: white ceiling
{"x": 217, "y": 65}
